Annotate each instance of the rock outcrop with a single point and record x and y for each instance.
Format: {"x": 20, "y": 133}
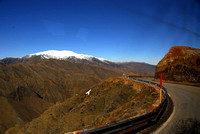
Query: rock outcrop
{"x": 181, "y": 64}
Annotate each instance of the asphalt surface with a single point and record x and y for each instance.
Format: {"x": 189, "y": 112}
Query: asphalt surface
{"x": 185, "y": 117}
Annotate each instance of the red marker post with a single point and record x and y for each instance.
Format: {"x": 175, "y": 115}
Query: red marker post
{"x": 160, "y": 87}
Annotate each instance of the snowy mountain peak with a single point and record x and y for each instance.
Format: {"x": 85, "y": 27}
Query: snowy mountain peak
{"x": 62, "y": 55}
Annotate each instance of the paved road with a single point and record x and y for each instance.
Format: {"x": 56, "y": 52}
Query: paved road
{"x": 186, "y": 112}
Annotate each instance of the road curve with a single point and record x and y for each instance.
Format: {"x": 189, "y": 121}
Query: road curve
{"x": 186, "y": 111}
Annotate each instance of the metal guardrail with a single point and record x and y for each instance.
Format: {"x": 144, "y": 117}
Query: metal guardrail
{"x": 134, "y": 122}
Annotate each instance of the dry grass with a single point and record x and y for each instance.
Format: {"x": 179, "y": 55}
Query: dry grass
{"x": 31, "y": 87}
{"x": 109, "y": 102}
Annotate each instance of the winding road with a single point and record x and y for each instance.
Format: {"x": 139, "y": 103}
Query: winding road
{"x": 186, "y": 113}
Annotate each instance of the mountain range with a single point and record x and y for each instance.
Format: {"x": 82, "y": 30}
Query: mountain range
{"x": 37, "y": 89}
{"x": 33, "y": 83}
{"x": 29, "y": 88}
{"x": 138, "y": 68}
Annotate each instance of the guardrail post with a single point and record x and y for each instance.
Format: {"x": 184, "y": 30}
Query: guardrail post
{"x": 145, "y": 111}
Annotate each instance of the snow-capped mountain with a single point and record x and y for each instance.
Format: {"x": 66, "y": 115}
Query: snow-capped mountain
{"x": 64, "y": 55}
{"x": 72, "y": 57}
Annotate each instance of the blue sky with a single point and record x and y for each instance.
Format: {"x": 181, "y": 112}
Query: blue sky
{"x": 117, "y": 30}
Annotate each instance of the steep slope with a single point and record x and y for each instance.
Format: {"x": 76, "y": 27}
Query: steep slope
{"x": 111, "y": 101}
{"x": 32, "y": 86}
{"x": 180, "y": 64}
{"x": 8, "y": 115}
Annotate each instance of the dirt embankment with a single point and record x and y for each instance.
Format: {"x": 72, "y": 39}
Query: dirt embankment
{"x": 109, "y": 102}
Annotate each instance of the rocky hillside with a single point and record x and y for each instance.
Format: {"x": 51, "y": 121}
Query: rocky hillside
{"x": 109, "y": 102}
{"x": 33, "y": 83}
{"x": 29, "y": 88}
{"x": 180, "y": 64}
